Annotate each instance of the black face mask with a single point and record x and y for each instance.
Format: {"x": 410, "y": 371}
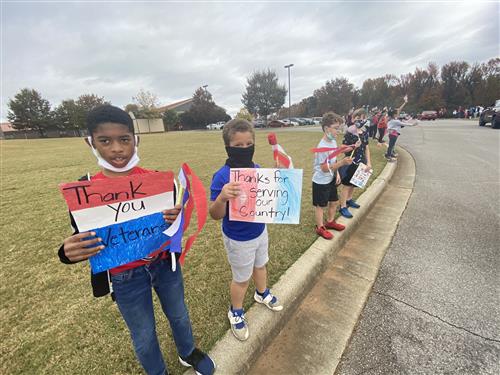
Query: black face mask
{"x": 240, "y": 157}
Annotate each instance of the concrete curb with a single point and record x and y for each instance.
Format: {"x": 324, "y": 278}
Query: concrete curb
{"x": 234, "y": 357}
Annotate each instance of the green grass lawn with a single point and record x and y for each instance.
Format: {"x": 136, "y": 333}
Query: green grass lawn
{"x": 51, "y": 324}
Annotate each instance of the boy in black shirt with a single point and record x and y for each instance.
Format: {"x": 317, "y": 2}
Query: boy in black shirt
{"x": 357, "y": 134}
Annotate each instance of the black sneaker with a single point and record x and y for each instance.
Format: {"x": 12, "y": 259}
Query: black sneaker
{"x": 200, "y": 362}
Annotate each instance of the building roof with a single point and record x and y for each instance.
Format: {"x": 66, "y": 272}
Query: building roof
{"x": 7, "y": 127}
{"x": 175, "y": 105}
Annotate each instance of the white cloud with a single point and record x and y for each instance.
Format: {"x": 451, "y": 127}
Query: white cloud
{"x": 114, "y": 49}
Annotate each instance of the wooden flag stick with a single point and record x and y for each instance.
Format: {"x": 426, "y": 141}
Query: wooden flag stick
{"x": 180, "y": 192}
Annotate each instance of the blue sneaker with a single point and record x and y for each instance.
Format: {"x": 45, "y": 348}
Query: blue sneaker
{"x": 268, "y": 299}
{"x": 239, "y": 325}
{"x": 352, "y": 203}
{"x": 200, "y": 362}
{"x": 345, "y": 212}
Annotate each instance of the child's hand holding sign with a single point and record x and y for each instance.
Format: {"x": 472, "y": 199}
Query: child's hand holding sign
{"x": 230, "y": 191}
{"x": 77, "y": 247}
{"x": 171, "y": 215}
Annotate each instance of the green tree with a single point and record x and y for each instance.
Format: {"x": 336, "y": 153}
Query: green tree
{"x": 244, "y": 114}
{"x": 67, "y": 116}
{"x": 490, "y": 85}
{"x": 311, "y": 107}
{"x": 423, "y": 88}
{"x": 336, "y": 95}
{"x": 170, "y": 119}
{"x": 203, "y": 111}
{"x": 84, "y": 104}
{"x": 264, "y": 95}
{"x": 453, "y": 76}
{"x": 29, "y": 111}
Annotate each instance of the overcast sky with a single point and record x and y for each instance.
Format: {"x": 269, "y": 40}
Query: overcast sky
{"x": 114, "y": 49}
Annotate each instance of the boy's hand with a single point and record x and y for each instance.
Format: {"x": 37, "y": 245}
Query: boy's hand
{"x": 77, "y": 249}
{"x": 230, "y": 191}
{"x": 171, "y": 215}
{"x": 368, "y": 167}
{"x": 347, "y": 161}
{"x": 357, "y": 144}
{"x": 338, "y": 180}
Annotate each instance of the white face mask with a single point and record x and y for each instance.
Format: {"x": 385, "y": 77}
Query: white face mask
{"x": 134, "y": 160}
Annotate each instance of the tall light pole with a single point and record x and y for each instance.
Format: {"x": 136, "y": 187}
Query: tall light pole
{"x": 205, "y": 88}
{"x": 289, "y": 91}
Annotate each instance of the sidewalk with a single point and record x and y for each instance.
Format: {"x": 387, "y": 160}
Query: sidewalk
{"x": 314, "y": 338}
{"x": 234, "y": 357}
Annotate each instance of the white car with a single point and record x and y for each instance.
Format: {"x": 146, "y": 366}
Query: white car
{"x": 217, "y": 126}
{"x": 289, "y": 122}
{"x": 317, "y": 120}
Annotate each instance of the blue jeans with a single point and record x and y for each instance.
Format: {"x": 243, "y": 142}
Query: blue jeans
{"x": 135, "y": 300}
{"x": 392, "y": 143}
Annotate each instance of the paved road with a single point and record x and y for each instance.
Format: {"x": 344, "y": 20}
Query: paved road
{"x": 435, "y": 307}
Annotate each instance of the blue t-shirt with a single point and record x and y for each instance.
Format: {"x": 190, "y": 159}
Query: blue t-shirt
{"x": 236, "y": 230}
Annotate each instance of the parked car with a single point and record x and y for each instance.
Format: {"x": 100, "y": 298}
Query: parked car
{"x": 404, "y": 116}
{"x": 289, "y": 122}
{"x": 259, "y": 123}
{"x": 297, "y": 120}
{"x": 217, "y": 126}
{"x": 278, "y": 124}
{"x": 491, "y": 114}
{"x": 317, "y": 120}
{"x": 307, "y": 121}
{"x": 428, "y": 115}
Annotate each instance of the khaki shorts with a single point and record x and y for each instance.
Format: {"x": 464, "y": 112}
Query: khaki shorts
{"x": 244, "y": 256}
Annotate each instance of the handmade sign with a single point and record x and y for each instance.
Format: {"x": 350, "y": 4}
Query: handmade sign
{"x": 267, "y": 195}
{"x": 361, "y": 176}
{"x": 125, "y": 212}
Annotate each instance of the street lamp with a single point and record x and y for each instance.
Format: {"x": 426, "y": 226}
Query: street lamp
{"x": 205, "y": 87}
{"x": 289, "y": 91}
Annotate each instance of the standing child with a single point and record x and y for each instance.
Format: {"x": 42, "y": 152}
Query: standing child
{"x": 326, "y": 177}
{"x": 246, "y": 243}
{"x": 382, "y": 126}
{"x": 112, "y": 140}
{"x": 356, "y": 134}
{"x": 373, "y": 125}
{"x": 394, "y": 128}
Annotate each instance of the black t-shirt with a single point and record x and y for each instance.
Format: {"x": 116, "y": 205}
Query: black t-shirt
{"x": 360, "y": 153}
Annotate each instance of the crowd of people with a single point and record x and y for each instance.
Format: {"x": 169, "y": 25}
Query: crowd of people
{"x": 469, "y": 113}
{"x": 114, "y": 143}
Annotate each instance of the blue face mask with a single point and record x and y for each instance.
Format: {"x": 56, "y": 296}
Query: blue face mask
{"x": 330, "y": 136}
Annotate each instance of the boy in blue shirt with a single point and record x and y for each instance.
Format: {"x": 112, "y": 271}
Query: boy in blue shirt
{"x": 113, "y": 142}
{"x": 246, "y": 243}
{"x": 326, "y": 177}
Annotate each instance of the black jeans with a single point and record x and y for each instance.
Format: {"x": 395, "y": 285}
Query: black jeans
{"x": 381, "y": 133}
{"x": 392, "y": 143}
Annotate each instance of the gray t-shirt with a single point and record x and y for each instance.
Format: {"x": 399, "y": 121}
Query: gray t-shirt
{"x": 395, "y": 125}
{"x": 319, "y": 176}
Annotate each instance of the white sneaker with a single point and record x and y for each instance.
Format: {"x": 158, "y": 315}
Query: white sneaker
{"x": 239, "y": 325}
{"x": 270, "y": 301}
